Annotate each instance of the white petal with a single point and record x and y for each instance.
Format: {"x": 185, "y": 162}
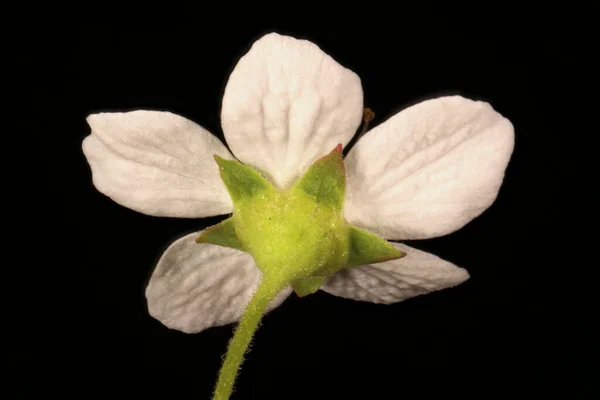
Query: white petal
{"x": 197, "y": 286}
{"x": 157, "y": 163}
{"x": 428, "y": 170}
{"x": 286, "y": 104}
{"x": 389, "y": 282}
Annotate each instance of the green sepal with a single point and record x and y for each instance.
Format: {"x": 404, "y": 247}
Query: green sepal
{"x": 242, "y": 182}
{"x": 367, "y": 248}
{"x": 325, "y": 180}
{"x": 309, "y": 285}
{"x": 222, "y": 234}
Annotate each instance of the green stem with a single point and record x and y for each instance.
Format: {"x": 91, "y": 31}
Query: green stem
{"x": 267, "y": 290}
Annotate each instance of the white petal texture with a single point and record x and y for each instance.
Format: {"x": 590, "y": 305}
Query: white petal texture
{"x": 389, "y": 282}
{"x": 428, "y": 170}
{"x": 157, "y": 163}
{"x": 197, "y": 286}
{"x": 286, "y": 104}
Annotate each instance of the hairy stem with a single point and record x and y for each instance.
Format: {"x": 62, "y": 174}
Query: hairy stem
{"x": 267, "y": 290}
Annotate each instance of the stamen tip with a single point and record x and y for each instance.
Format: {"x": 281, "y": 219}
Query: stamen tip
{"x": 368, "y": 114}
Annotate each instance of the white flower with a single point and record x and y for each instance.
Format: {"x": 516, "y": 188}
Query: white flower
{"x": 424, "y": 173}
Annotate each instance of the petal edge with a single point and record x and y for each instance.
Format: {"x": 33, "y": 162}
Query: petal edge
{"x": 428, "y": 170}
{"x": 198, "y": 286}
{"x": 156, "y": 163}
{"x": 286, "y": 104}
{"x": 389, "y": 282}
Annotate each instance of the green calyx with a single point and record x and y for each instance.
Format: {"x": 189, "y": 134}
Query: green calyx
{"x": 297, "y": 237}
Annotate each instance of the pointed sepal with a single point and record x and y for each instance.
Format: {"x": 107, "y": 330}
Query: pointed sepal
{"x": 309, "y": 285}
{"x": 242, "y": 182}
{"x": 222, "y": 234}
{"x": 325, "y": 180}
{"x": 367, "y": 248}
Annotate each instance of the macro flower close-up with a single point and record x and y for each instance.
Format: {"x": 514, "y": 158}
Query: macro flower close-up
{"x": 298, "y": 216}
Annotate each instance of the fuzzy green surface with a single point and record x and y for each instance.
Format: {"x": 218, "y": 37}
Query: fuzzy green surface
{"x": 244, "y": 332}
{"x": 292, "y": 233}
{"x": 291, "y": 236}
{"x": 222, "y": 234}
{"x": 367, "y": 248}
{"x": 296, "y": 237}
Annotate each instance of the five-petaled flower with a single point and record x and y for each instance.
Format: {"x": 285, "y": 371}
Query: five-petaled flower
{"x": 424, "y": 173}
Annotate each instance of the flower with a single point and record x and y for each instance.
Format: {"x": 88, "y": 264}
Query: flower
{"x": 424, "y": 173}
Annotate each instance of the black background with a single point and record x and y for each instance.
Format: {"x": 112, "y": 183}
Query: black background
{"x": 495, "y": 326}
